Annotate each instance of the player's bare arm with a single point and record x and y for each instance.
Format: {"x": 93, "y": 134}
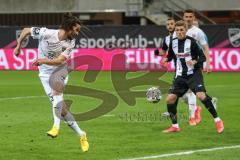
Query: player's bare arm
{"x": 206, "y": 53}
{"x": 52, "y": 62}
{"x": 25, "y": 32}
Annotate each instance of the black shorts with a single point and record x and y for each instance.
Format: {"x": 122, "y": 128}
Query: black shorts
{"x": 194, "y": 82}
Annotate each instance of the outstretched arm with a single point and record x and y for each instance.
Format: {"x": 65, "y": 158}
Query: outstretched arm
{"x": 52, "y": 62}
{"x": 25, "y": 32}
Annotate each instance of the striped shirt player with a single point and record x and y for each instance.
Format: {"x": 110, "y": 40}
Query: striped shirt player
{"x": 166, "y": 41}
{"x": 182, "y": 51}
{"x": 188, "y": 59}
{"x": 189, "y": 97}
{"x": 170, "y": 26}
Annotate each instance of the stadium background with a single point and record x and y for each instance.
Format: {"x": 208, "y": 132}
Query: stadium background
{"x": 133, "y": 28}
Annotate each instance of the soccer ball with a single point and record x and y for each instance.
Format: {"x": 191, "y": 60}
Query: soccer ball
{"x": 154, "y": 95}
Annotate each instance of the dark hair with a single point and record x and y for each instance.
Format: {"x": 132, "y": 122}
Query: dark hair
{"x": 189, "y": 11}
{"x": 170, "y": 18}
{"x": 180, "y": 23}
{"x": 69, "y": 21}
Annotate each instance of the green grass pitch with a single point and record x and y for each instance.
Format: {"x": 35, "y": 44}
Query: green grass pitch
{"x": 25, "y": 120}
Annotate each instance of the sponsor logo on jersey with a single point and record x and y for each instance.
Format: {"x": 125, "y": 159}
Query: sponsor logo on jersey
{"x": 36, "y": 31}
{"x": 183, "y": 55}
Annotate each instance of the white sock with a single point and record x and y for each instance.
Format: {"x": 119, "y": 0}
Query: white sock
{"x": 192, "y": 104}
{"x": 217, "y": 119}
{"x": 57, "y": 109}
{"x": 69, "y": 119}
{"x": 175, "y": 125}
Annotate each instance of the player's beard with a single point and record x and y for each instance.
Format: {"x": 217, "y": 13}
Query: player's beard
{"x": 72, "y": 36}
{"x": 189, "y": 24}
{"x": 171, "y": 31}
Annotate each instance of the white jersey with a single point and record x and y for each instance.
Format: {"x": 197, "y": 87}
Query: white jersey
{"x": 197, "y": 34}
{"x": 50, "y": 47}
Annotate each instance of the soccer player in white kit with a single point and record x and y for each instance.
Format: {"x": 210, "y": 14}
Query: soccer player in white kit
{"x": 197, "y": 34}
{"x": 200, "y": 37}
{"x": 54, "y": 49}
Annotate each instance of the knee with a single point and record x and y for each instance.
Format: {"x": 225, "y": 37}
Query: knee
{"x": 64, "y": 112}
{"x": 56, "y": 93}
{"x": 171, "y": 98}
{"x": 201, "y": 95}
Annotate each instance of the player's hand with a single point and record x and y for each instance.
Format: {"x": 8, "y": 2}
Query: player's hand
{"x": 207, "y": 69}
{"x": 164, "y": 62}
{"x": 191, "y": 62}
{"x": 156, "y": 52}
{"x": 17, "y": 50}
{"x": 38, "y": 62}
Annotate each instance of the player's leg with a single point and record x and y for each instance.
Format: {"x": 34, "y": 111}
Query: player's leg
{"x": 172, "y": 101}
{"x": 214, "y": 101}
{"x": 56, "y": 118}
{"x": 59, "y": 85}
{"x": 207, "y": 101}
{"x": 197, "y": 85}
{"x": 166, "y": 114}
{"x": 70, "y": 120}
{"x": 178, "y": 89}
{"x": 194, "y": 110}
{"x": 191, "y": 101}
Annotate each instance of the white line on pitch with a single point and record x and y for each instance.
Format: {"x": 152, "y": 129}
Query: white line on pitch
{"x": 108, "y": 115}
{"x": 25, "y": 97}
{"x": 183, "y": 153}
{"x": 29, "y": 97}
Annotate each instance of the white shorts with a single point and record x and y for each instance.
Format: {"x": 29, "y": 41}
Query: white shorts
{"x": 46, "y": 85}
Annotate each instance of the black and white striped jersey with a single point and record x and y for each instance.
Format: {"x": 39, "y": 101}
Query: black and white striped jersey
{"x": 166, "y": 41}
{"x": 185, "y": 50}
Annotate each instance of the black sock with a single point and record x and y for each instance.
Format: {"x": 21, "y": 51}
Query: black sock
{"x": 208, "y": 104}
{"x": 172, "y": 110}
